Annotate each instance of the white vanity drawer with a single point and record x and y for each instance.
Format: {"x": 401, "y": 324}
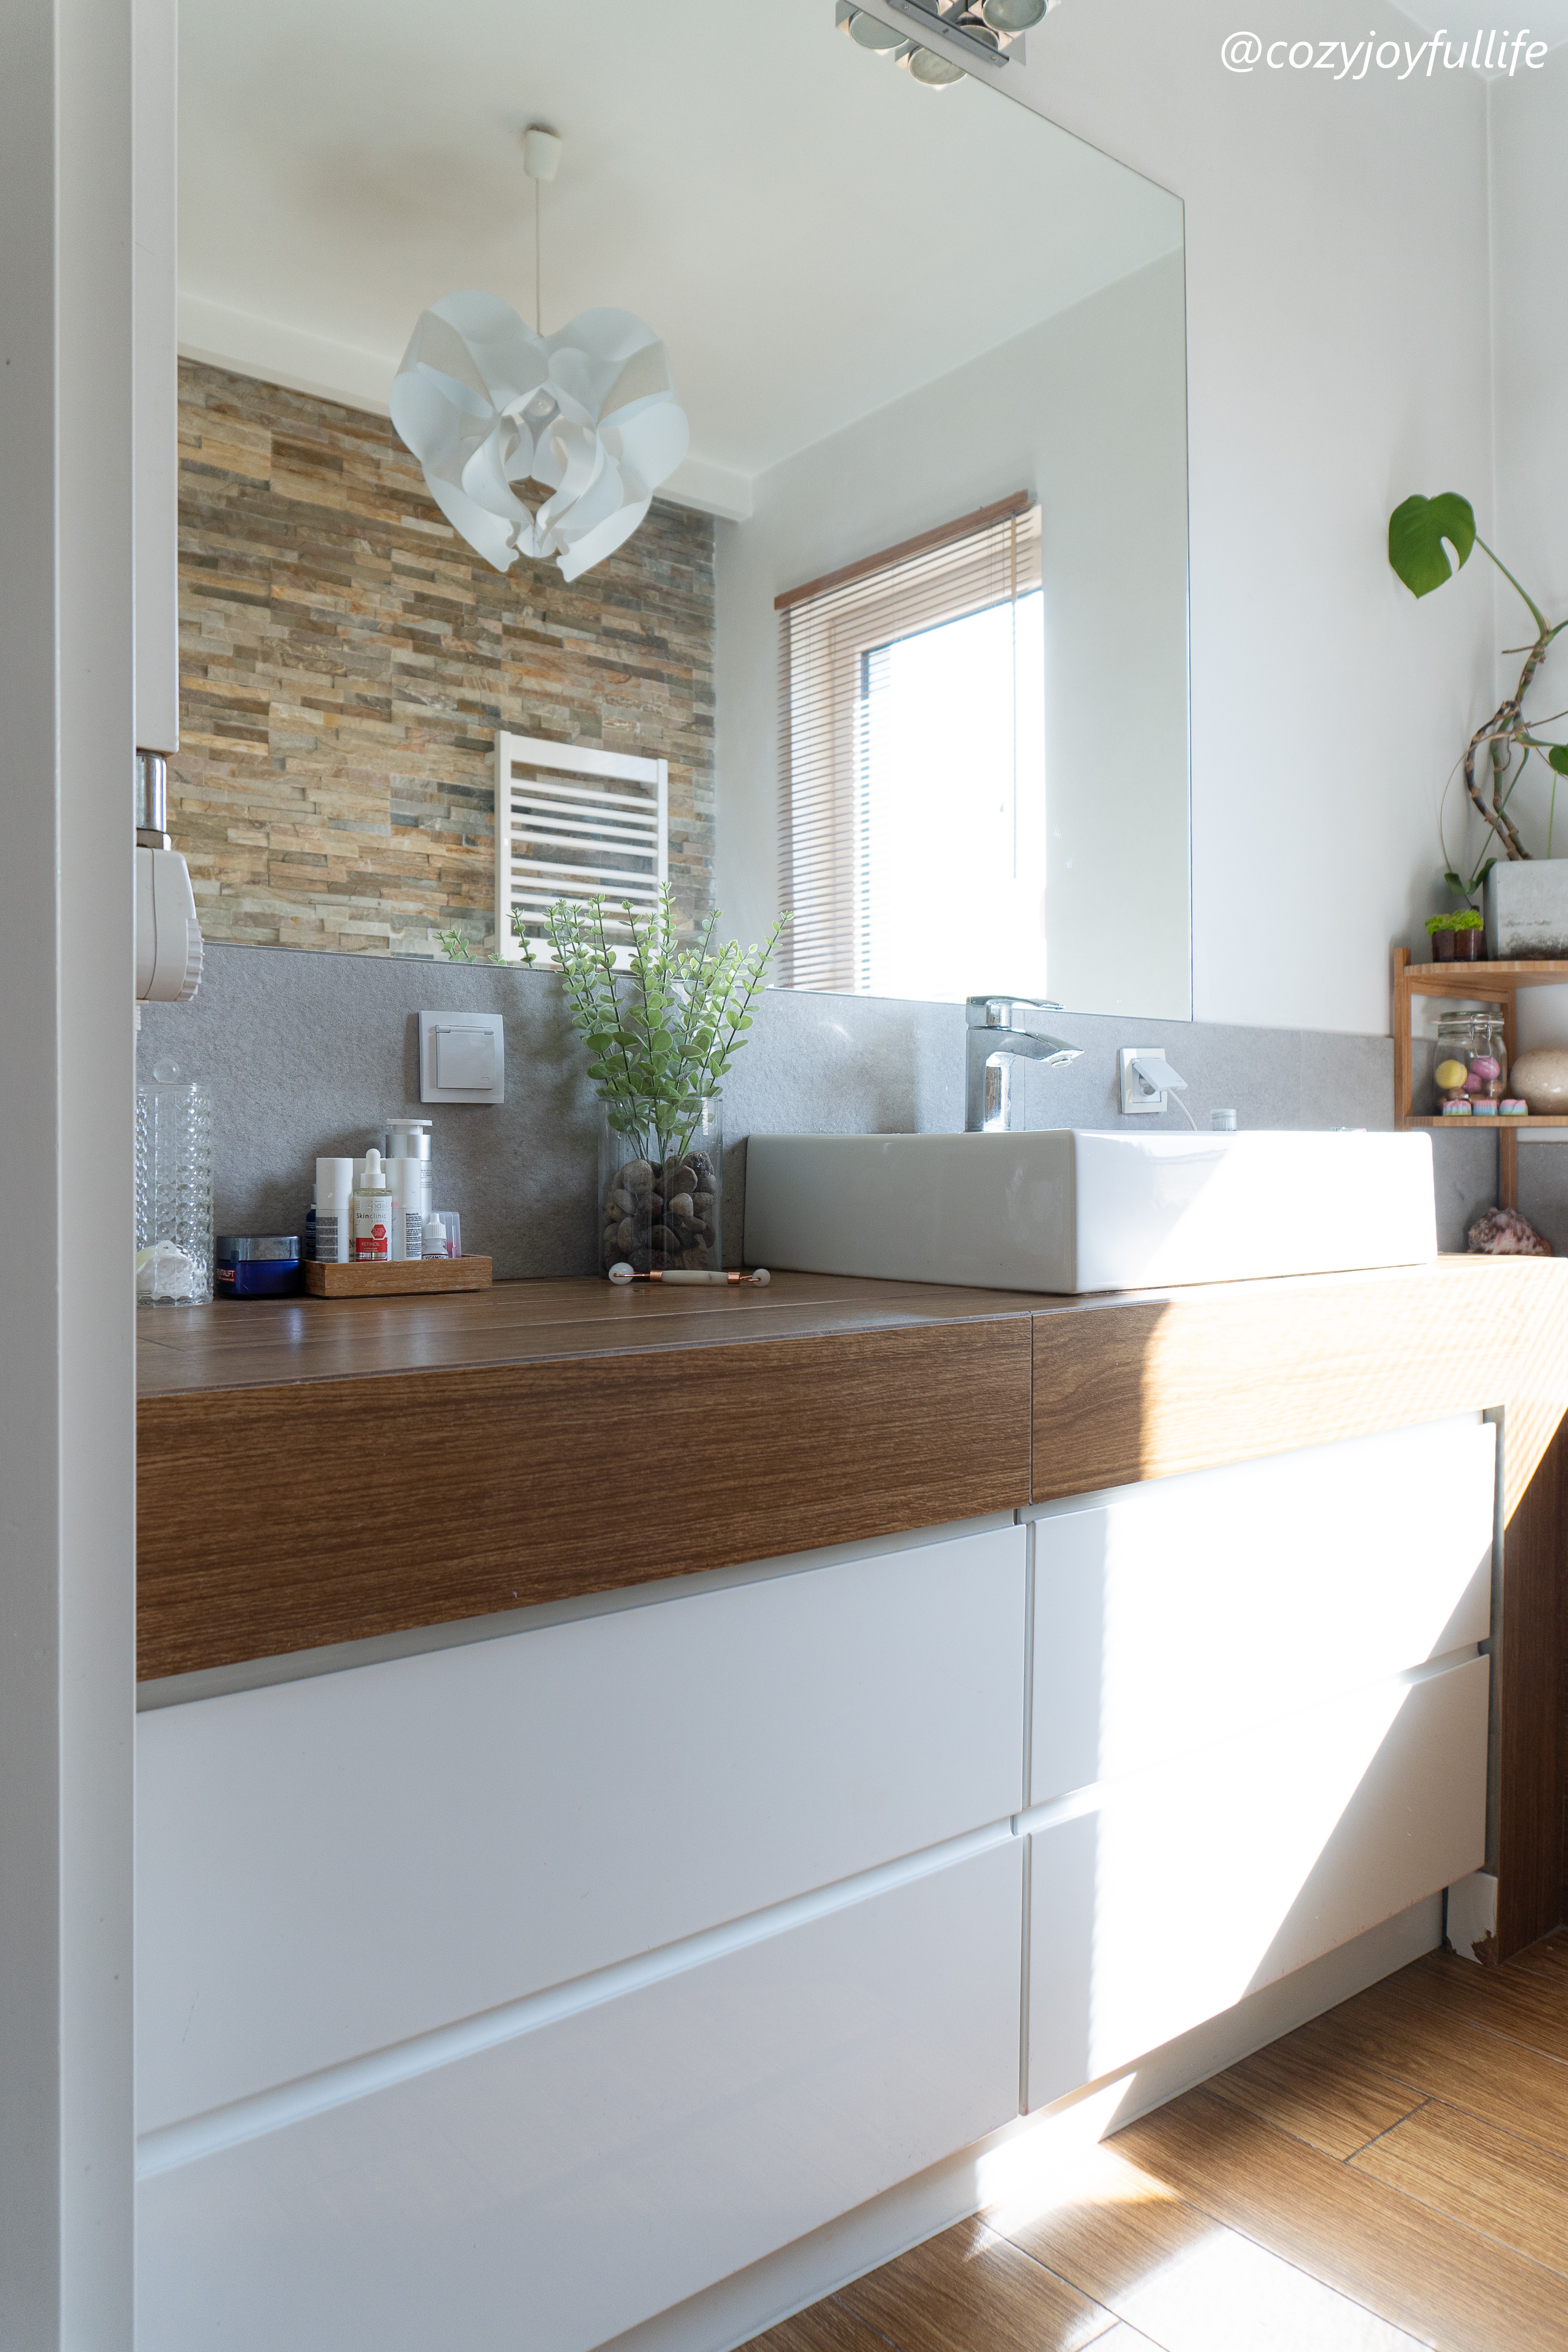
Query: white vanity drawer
{"x": 1169, "y": 1614}
{"x": 331, "y": 1865}
{"x": 1191, "y": 1885}
{"x": 553, "y": 2190}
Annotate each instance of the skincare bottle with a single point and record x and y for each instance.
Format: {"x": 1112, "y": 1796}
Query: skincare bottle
{"x": 407, "y": 1190}
{"x": 409, "y": 1140}
{"x": 373, "y": 1211}
{"x": 435, "y": 1238}
{"x": 334, "y": 1210}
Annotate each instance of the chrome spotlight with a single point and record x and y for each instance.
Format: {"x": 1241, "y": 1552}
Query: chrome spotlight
{"x": 925, "y": 65}
{"x": 870, "y": 32}
{"x": 1012, "y": 15}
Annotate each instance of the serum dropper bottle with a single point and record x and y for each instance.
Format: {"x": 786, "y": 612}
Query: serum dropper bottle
{"x": 373, "y": 1210}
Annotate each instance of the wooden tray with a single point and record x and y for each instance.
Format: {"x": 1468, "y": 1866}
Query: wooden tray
{"x": 386, "y": 1277}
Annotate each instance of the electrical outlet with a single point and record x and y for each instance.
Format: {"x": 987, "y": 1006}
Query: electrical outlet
{"x": 1135, "y": 1102}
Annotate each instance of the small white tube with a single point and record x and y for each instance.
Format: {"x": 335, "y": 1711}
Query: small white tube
{"x": 334, "y": 1209}
{"x": 405, "y": 1180}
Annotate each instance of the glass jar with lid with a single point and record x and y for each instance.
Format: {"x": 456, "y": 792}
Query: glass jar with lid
{"x": 1472, "y": 1059}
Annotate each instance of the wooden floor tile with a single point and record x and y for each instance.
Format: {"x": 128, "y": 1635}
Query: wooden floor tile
{"x": 1505, "y": 2187}
{"x": 1391, "y": 2033}
{"x": 1393, "y": 2174}
{"x": 1186, "y": 2281}
{"x": 971, "y": 2291}
{"x": 1419, "y": 2271}
{"x": 1549, "y": 1957}
{"x": 1516, "y": 2003}
{"x": 1331, "y": 2103}
{"x": 825, "y": 2328}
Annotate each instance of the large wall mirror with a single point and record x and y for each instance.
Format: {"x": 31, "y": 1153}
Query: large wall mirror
{"x": 900, "y": 640}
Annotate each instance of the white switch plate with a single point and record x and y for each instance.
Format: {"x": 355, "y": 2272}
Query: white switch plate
{"x": 448, "y": 1040}
{"x": 1134, "y": 1101}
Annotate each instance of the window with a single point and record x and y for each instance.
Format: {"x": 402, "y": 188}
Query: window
{"x": 912, "y": 844}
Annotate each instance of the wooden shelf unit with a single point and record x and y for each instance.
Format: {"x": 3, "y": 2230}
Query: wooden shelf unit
{"x": 1483, "y": 984}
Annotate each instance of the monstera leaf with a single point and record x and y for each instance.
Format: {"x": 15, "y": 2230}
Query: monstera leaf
{"x": 1416, "y": 531}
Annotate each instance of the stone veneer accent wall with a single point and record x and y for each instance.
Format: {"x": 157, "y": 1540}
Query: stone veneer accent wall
{"x": 346, "y": 661}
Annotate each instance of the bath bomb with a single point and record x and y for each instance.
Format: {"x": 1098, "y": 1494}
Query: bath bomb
{"x": 1450, "y": 1075}
{"x": 1541, "y": 1077}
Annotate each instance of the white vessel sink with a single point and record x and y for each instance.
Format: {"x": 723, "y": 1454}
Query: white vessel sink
{"x": 1072, "y": 1209}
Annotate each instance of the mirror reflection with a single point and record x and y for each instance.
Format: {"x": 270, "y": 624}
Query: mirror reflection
{"x": 770, "y": 480}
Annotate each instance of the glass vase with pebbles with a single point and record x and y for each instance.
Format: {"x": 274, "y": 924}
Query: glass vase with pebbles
{"x": 660, "y": 1185}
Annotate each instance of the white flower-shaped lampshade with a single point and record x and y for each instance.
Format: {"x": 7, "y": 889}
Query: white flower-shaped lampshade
{"x": 589, "y": 414}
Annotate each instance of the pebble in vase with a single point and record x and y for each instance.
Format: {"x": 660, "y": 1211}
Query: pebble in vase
{"x": 1541, "y": 1077}
{"x": 663, "y": 1017}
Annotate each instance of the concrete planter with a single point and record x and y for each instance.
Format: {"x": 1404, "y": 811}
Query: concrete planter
{"x": 1526, "y": 909}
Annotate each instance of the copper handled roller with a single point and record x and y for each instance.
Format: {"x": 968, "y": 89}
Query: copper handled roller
{"x": 624, "y": 1272}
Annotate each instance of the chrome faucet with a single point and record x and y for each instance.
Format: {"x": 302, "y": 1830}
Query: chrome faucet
{"x": 997, "y": 1033}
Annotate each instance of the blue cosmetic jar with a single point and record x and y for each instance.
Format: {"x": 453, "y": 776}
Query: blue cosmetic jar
{"x": 255, "y": 1265}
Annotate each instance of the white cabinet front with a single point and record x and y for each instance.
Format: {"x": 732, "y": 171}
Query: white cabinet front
{"x": 327, "y": 1867}
{"x": 1170, "y": 1614}
{"x": 1180, "y": 1889}
{"x": 559, "y": 2187}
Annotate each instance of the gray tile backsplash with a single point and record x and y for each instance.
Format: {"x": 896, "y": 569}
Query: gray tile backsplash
{"x": 307, "y": 1053}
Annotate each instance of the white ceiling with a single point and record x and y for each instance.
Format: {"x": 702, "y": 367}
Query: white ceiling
{"x": 812, "y": 232}
{"x": 1544, "y": 20}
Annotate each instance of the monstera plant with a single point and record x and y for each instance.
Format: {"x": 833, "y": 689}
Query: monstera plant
{"x": 1420, "y": 534}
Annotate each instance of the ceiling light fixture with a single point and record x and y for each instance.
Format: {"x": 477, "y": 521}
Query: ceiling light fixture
{"x": 870, "y": 31}
{"x": 1013, "y": 16}
{"x": 923, "y": 65}
{"x": 589, "y": 414}
{"x": 933, "y": 72}
{"x": 989, "y": 31}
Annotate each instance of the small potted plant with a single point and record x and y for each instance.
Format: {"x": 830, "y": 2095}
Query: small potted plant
{"x": 660, "y": 1036}
{"x": 1526, "y": 893}
{"x": 1456, "y": 939}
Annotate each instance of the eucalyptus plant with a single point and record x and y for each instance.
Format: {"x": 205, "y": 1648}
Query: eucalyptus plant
{"x": 455, "y": 949}
{"x": 1420, "y": 533}
{"x": 664, "y": 1032}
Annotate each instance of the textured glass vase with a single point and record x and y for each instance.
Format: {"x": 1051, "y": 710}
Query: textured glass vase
{"x": 660, "y": 1185}
{"x": 174, "y": 1190}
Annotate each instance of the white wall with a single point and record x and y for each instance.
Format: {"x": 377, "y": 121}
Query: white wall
{"x": 1087, "y": 411}
{"x": 1337, "y": 360}
{"x": 68, "y": 1368}
{"x": 1528, "y": 518}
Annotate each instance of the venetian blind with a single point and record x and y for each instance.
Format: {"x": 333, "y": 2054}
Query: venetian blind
{"x": 830, "y": 633}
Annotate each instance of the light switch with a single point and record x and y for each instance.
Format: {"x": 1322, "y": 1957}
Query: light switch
{"x": 465, "y": 1057}
{"x": 462, "y": 1057}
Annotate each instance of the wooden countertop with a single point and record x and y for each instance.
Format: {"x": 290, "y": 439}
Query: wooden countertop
{"x": 313, "y": 1472}
{"x": 255, "y": 1343}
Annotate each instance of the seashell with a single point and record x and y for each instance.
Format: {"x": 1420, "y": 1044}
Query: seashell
{"x": 1503, "y": 1233}
{"x": 1541, "y": 1077}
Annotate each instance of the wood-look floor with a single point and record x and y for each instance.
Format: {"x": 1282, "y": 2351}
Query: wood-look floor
{"x": 1394, "y": 2173}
